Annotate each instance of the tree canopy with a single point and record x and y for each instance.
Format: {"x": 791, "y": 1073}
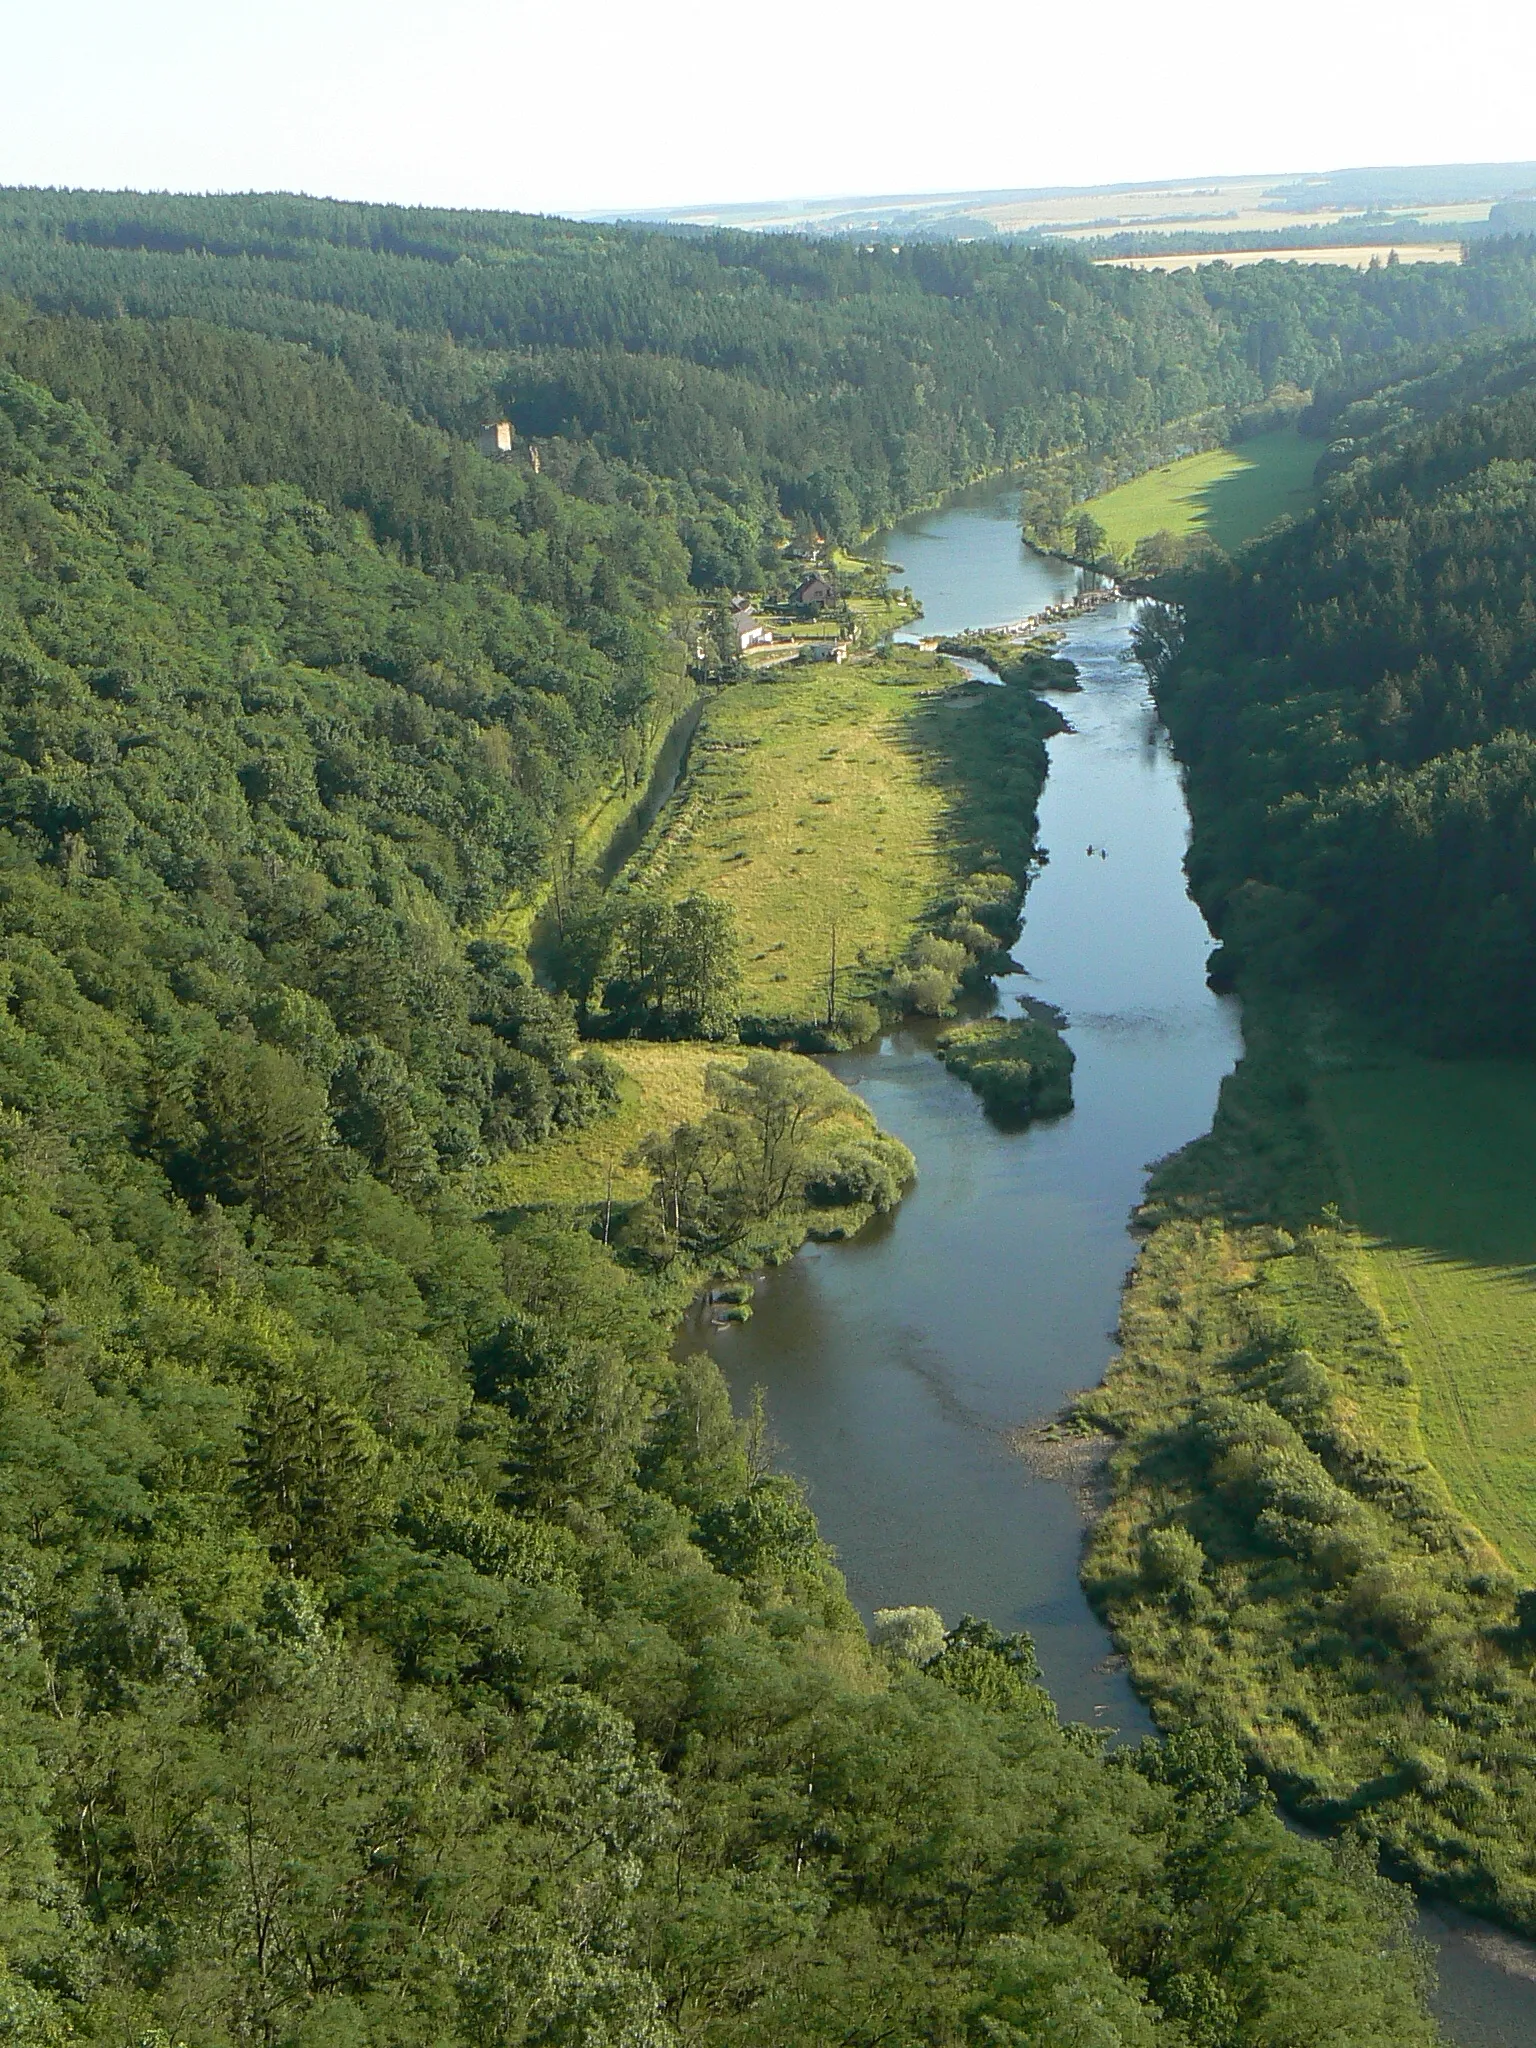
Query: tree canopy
{"x": 1355, "y": 699}
{"x": 399, "y": 1644}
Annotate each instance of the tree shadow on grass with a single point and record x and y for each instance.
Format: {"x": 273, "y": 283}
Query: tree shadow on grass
{"x": 1439, "y": 1156}
{"x": 1274, "y": 478}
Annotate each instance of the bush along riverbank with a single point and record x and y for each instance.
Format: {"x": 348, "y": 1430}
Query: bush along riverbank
{"x": 1279, "y": 1557}
{"x": 1021, "y": 1067}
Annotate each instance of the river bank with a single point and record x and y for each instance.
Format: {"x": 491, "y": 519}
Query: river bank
{"x": 899, "y": 1370}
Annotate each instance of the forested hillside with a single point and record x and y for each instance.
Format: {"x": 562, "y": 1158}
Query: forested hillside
{"x": 766, "y": 378}
{"x": 1357, "y": 703}
{"x": 399, "y": 1645}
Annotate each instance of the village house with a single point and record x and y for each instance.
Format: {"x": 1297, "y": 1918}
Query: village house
{"x": 814, "y": 591}
{"x": 824, "y": 650}
{"x": 747, "y": 626}
{"x": 496, "y": 437}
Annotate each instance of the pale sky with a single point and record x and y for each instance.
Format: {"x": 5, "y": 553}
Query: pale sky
{"x": 573, "y": 105}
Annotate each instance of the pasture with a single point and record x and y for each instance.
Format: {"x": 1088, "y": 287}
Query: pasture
{"x": 1436, "y": 1168}
{"x": 813, "y": 798}
{"x": 1232, "y": 494}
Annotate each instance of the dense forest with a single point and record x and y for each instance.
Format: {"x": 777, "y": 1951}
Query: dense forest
{"x": 766, "y": 379}
{"x": 401, "y": 1644}
{"x": 1355, "y": 701}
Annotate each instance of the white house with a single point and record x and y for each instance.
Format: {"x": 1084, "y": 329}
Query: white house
{"x": 748, "y": 627}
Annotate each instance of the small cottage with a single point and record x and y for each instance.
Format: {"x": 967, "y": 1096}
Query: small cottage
{"x": 814, "y": 591}
{"x": 748, "y": 627}
{"x": 496, "y": 437}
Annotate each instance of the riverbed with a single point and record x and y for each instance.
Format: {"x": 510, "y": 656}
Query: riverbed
{"x": 899, "y": 1370}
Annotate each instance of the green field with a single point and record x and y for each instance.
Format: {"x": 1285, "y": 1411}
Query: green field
{"x": 663, "y": 1087}
{"x": 812, "y": 797}
{"x": 1437, "y": 1167}
{"x": 1232, "y": 494}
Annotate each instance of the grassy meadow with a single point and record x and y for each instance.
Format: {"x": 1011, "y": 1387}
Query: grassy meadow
{"x": 1436, "y": 1169}
{"x": 813, "y": 796}
{"x": 1232, "y": 494}
{"x": 1297, "y": 1545}
{"x": 663, "y": 1087}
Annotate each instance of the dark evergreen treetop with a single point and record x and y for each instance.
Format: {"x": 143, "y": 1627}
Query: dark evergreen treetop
{"x": 1357, "y": 699}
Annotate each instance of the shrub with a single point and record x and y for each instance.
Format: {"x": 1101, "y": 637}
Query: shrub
{"x": 1020, "y": 1067}
{"x": 926, "y": 991}
{"x": 913, "y": 1633}
{"x": 873, "y": 1171}
{"x": 857, "y": 1023}
{"x": 929, "y": 976}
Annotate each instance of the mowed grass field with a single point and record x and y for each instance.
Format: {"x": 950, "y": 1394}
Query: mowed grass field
{"x": 813, "y": 797}
{"x": 1438, "y": 1163}
{"x": 1230, "y": 493}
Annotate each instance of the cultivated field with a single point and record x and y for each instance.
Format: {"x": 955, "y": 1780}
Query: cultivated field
{"x": 1229, "y": 493}
{"x": 1436, "y": 1161}
{"x": 1352, "y": 256}
{"x": 1209, "y": 205}
{"x": 811, "y": 798}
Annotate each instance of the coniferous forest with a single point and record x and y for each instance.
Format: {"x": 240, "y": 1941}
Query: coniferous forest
{"x": 401, "y": 1644}
{"x": 1354, "y": 698}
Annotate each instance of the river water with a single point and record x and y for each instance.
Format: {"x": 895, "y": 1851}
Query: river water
{"x": 896, "y": 1368}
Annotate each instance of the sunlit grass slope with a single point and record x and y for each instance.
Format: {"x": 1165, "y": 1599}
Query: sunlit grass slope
{"x": 1230, "y": 493}
{"x": 663, "y": 1087}
{"x": 1438, "y": 1169}
{"x": 814, "y": 796}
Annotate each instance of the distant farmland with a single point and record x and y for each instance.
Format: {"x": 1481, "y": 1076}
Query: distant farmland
{"x": 1360, "y": 257}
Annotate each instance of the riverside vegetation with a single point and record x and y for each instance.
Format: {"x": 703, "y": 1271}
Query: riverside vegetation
{"x": 1321, "y": 1534}
{"x": 869, "y": 832}
{"x": 400, "y": 1645}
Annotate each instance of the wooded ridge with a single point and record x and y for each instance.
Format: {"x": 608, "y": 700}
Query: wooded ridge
{"x": 400, "y": 1644}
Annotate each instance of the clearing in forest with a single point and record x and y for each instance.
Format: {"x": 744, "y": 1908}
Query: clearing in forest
{"x": 1436, "y": 1159}
{"x": 1230, "y": 493}
{"x": 815, "y": 798}
{"x": 663, "y": 1087}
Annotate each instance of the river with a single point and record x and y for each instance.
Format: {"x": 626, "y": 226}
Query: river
{"x": 897, "y": 1368}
